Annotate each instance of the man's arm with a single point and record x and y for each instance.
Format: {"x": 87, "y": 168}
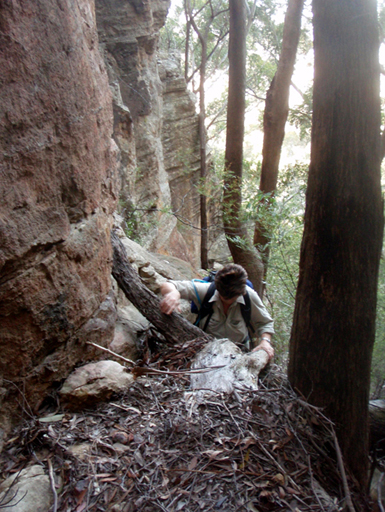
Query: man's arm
{"x": 171, "y": 298}
{"x": 263, "y": 322}
{"x": 265, "y": 345}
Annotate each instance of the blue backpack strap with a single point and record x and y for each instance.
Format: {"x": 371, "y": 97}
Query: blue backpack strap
{"x": 195, "y": 305}
{"x": 206, "y": 309}
{"x": 196, "y": 291}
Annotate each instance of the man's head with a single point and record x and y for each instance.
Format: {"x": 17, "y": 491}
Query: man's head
{"x": 230, "y": 281}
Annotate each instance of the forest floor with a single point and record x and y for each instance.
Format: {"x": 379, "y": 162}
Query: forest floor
{"x": 161, "y": 447}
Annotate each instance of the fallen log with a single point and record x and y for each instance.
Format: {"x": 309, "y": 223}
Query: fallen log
{"x": 232, "y": 370}
{"x": 174, "y": 327}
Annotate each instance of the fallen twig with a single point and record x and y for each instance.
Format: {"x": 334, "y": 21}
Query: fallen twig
{"x": 142, "y": 370}
{"x": 379, "y": 497}
{"x": 348, "y": 496}
{"x": 52, "y": 482}
{"x": 312, "y": 484}
{"x": 110, "y": 352}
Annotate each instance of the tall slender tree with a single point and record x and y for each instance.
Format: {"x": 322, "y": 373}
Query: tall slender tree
{"x": 334, "y": 319}
{"x": 275, "y": 116}
{"x": 240, "y": 246}
{"x": 203, "y": 33}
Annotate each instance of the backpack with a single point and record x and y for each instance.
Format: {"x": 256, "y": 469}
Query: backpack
{"x": 206, "y": 307}
{"x": 208, "y": 279}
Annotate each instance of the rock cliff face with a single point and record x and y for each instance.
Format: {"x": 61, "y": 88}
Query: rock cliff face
{"x": 58, "y": 189}
{"x": 180, "y": 141}
{"x": 88, "y": 116}
{"x": 156, "y": 128}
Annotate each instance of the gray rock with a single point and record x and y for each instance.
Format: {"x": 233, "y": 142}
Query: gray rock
{"x": 162, "y": 267}
{"x": 95, "y": 382}
{"x": 130, "y": 323}
{"x": 27, "y": 491}
{"x": 81, "y": 451}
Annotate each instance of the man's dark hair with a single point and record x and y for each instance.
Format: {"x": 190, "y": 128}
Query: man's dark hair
{"x": 230, "y": 281}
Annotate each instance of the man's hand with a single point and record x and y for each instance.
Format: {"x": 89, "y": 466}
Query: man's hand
{"x": 265, "y": 345}
{"x": 171, "y": 298}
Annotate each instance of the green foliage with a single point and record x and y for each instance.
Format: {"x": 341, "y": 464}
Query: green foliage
{"x": 282, "y": 275}
{"x": 212, "y": 21}
{"x": 382, "y": 121}
{"x": 139, "y": 221}
{"x": 172, "y": 36}
{"x": 260, "y": 73}
{"x": 131, "y": 218}
{"x": 283, "y": 215}
{"x": 305, "y": 43}
{"x": 301, "y": 116}
{"x": 216, "y": 112}
{"x": 381, "y": 18}
{"x": 265, "y": 32}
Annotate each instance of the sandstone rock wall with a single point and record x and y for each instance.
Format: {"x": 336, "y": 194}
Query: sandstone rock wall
{"x": 58, "y": 188}
{"x": 66, "y": 89}
{"x": 156, "y": 128}
{"x": 180, "y": 140}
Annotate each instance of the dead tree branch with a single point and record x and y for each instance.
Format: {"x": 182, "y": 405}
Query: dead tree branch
{"x": 174, "y": 327}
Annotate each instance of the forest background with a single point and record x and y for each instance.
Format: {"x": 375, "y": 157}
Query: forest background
{"x": 284, "y": 211}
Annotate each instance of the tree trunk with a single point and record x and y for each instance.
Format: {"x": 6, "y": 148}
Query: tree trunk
{"x": 240, "y": 247}
{"x": 202, "y": 36}
{"x": 334, "y": 319}
{"x": 203, "y": 167}
{"x": 275, "y": 116}
{"x": 174, "y": 327}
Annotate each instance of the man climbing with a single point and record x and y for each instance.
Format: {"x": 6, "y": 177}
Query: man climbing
{"x": 227, "y": 308}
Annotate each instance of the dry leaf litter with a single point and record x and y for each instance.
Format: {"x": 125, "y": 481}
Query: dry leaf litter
{"x": 159, "y": 448}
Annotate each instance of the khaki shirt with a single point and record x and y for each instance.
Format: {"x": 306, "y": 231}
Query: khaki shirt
{"x": 231, "y": 326}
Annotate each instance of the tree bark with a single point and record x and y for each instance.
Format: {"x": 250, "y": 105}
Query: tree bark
{"x": 240, "y": 246}
{"x": 334, "y": 319}
{"x": 275, "y": 116}
{"x": 174, "y": 327}
{"x": 202, "y": 143}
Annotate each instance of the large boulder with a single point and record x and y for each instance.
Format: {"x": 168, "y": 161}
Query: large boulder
{"x": 95, "y": 382}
